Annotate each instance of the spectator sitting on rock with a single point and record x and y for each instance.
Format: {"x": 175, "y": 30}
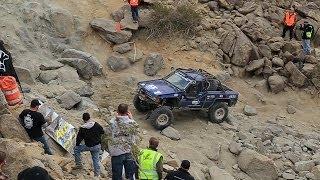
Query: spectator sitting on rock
{"x": 34, "y": 173}
{"x": 2, "y": 164}
{"x": 181, "y": 173}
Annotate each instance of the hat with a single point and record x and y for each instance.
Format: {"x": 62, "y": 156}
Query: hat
{"x": 35, "y": 103}
{"x": 185, "y": 164}
{"x": 34, "y": 173}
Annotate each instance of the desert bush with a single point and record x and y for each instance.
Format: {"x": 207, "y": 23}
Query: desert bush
{"x": 173, "y": 21}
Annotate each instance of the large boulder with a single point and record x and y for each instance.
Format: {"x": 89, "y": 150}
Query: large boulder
{"x": 249, "y": 110}
{"x": 93, "y": 61}
{"x": 248, "y": 7}
{"x": 123, "y": 48}
{"x": 24, "y": 75}
{"x": 291, "y": 47}
{"x": 276, "y": 83}
{"x": 83, "y": 67}
{"x": 304, "y": 166}
{"x": 46, "y": 76}
{"x": 10, "y": 127}
{"x": 224, "y": 4}
{"x": 237, "y": 46}
{"x": 258, "y": 29}
{"x": 153, "y": 63}
{"x": 265, "y": 51}
{"x": 171, "y": 133}
{"x": 257, "y": 166}
{"x": 62, "y": 21}
{"x": 135, "y": 56}
{"x": 117, "y": 63}
{"x": 309, "y": 10}
{"x": 296, "y": 76}
{"x": 219, "y": 174}
{"x": 235, "y": 148}
{"x": 316, "y": 171}
{"x": 107, "y": 30}
{"x": 255, "y": 64}
{"x": 21, "y": 155}
{"x": 69, "y": 99}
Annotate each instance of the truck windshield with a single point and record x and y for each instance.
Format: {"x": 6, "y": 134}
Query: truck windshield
{"x": 178, "y": 80}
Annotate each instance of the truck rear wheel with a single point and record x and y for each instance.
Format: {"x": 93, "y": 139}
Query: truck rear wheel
{"x": 218, "y": 113}
{"x": 161, "y": 117}
{"x": 140, "y": 105}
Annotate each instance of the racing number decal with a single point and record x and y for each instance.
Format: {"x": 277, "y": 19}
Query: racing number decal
{"x": 151, "y": 87}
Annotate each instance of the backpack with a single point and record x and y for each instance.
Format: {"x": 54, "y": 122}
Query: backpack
{"x": 309, "y": 31}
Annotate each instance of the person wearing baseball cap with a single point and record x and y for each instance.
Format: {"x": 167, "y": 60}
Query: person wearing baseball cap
{"x": 181, "y": 173}
{"x": 32, "y": 121}
{"x": 34, "y": 173}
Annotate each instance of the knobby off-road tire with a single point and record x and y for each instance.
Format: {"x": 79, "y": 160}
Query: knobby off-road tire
{"x": 218, "y": 112}
{"x": 161, "y": 117}
{"x": 140, "y": 105}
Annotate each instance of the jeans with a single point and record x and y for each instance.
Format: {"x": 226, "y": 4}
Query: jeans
{"x": 135, "y": 13}
{"x": 306, "y": 44}
{"x": 46, "y": 147}
{"x": 285, "y": 29}
{"x": 95, "y": 154}
{"x": 118, "y": 162}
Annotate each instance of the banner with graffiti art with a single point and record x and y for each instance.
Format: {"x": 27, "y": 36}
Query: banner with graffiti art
{"x": 58, "y": 129}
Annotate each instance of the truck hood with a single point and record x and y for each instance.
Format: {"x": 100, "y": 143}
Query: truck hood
{"x": 158, "y": 87}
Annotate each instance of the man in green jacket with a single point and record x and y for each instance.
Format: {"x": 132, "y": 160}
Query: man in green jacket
{"x": 151, "y": 162}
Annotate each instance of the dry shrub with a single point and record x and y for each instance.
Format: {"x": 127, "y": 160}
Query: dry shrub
{"x": 173, "y": 21}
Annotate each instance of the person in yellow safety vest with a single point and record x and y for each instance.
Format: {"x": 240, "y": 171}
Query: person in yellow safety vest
{"x": 134, "y": 9}
{"x": 289, "y": 22}
{"x": 151, "y": 162}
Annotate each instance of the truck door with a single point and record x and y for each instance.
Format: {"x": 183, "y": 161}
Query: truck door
{"x": 194, "y": 97}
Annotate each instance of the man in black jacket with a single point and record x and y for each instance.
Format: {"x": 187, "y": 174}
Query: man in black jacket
{"x": 32, "y": 121}
{"x": 307, "y": 34}
{"x": 6, "y": 66}
{"x": 182, "y": 173}
{"x": 91, "y": 133}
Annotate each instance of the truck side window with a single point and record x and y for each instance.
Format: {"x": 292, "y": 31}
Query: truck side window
{"x": 192, "y": 91}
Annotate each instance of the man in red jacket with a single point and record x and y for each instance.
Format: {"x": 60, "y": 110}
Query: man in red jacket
{"x": 134, "y": 9}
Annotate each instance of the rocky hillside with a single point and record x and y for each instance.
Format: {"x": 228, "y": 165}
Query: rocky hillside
{"x": 70, "y": 55}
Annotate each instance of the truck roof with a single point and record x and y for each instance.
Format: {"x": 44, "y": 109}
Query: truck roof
{"x": 197, "y": 75}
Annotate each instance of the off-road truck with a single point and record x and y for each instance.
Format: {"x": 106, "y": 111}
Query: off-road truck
{"x": 184, "y": 89}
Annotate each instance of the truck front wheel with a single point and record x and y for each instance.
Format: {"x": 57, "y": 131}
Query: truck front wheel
{"x": 218, "y": 113}
{"x": 161, "y": 117}
{"x": 140, "y": 105}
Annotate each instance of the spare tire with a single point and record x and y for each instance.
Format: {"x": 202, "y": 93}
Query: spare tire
{"x": 161, "y": 117}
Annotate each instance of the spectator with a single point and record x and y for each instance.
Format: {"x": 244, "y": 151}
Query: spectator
{"x": 6, "y": 66}
{"x": 289, "y": 21}
{"x": 3, "y": 157}
{"x": 182, "y": 173}
{"x": 120, "y": 145}
{"x": 91, "y": 133}
{"x": 134, "y": 4}
{"x": 32, "y": 121}
{"x": 151, "y": 162}
{"x": 34, "y": 173}
{"x": 307, "y": 34}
